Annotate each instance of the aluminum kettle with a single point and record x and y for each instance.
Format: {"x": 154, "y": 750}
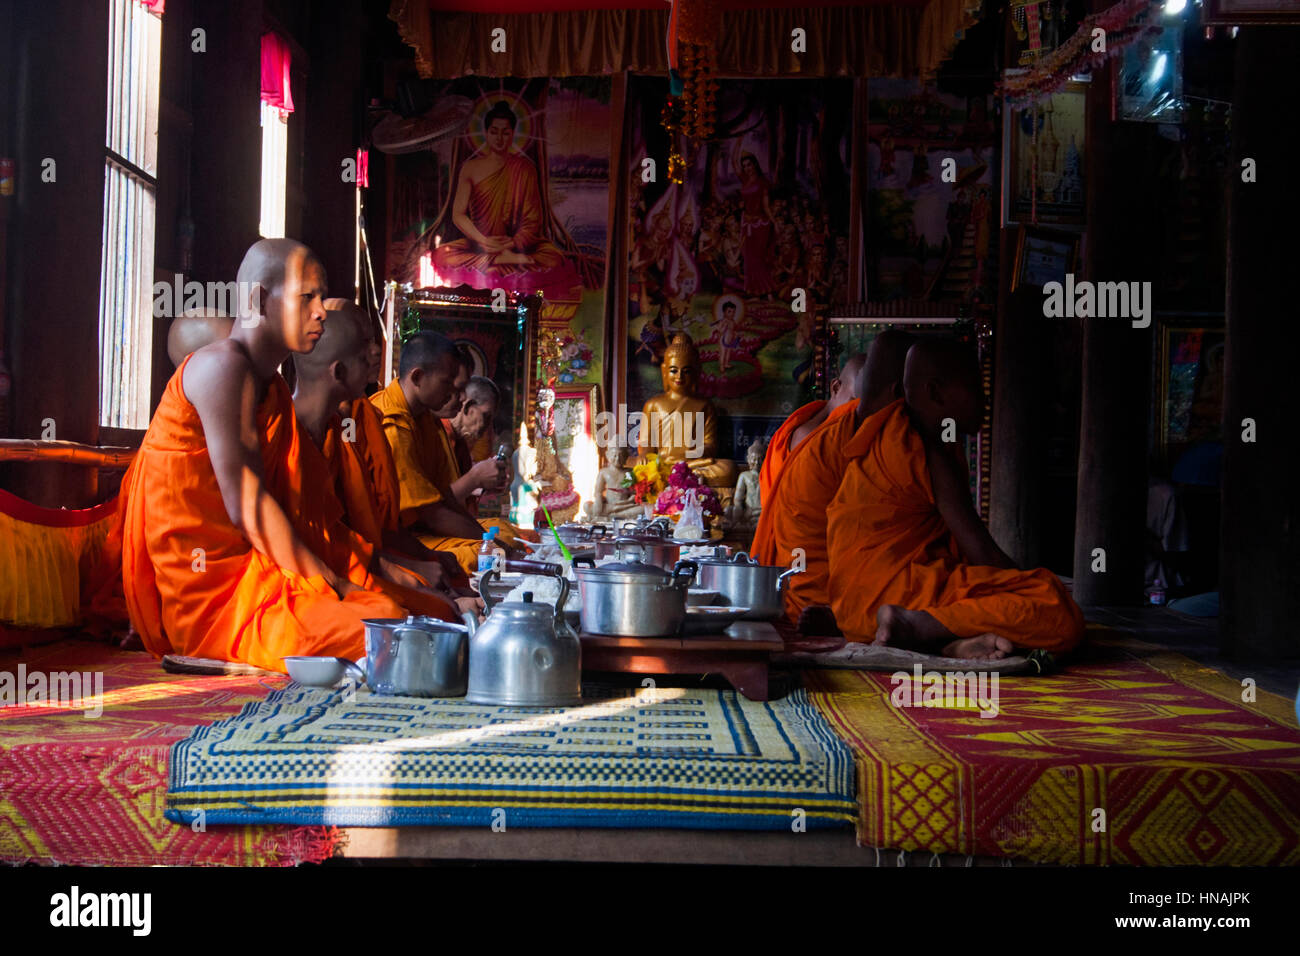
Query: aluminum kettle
{"x": 524, "y": 655}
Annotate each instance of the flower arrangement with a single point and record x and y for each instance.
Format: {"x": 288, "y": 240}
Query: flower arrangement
{"x": 682, "y": 484}
{"x": 647, "y": 479}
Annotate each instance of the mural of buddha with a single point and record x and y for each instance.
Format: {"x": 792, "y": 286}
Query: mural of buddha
{"x": 679, "y": 426}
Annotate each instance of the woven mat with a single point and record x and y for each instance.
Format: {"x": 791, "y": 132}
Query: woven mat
{"x": 89, "y": 791}
{"x": 658, "y": 758}
{"x": 1131, "y": 754}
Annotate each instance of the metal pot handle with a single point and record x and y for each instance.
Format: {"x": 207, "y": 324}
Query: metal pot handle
{"x": 546, "y": 569}
{"x": 490, "y": 576}
{"x": 620, "y": 544}
{"x": 597, "y": 531}
{"x": 354, "y": 671}
{"x": 736, "y": 558}
{"x": 684, "y": 571}
{"x": 781, "y": 582}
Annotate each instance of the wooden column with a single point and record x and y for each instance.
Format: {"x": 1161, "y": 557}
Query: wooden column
{"x": 1260, "y": 553}
{"x": 1019, "y": 416}
{"x": 1110, "y": 511}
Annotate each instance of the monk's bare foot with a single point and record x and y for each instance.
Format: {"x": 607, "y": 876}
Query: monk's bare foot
{"x": 131, "y": 641}
{"x": 983, "y": 647}
{"x": 898, "y": 626}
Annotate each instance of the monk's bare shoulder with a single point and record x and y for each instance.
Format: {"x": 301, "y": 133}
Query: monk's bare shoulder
{"x": 217, "y": 367}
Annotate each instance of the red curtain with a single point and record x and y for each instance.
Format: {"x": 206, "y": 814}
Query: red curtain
{"x": 275, "y": 72}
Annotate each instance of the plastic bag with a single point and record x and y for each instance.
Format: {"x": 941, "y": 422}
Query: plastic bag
{"x": 690, "y": 526}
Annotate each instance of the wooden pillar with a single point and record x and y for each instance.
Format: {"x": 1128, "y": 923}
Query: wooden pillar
{"x": 1260, "y": 553}
{"x": 1019, "y": 416}
{"x": 1110, "y": 512}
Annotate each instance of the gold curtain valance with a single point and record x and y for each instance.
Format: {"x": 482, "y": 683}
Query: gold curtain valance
{"x": 879, "y": 40}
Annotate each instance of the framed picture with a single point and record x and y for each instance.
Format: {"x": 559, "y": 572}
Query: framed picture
{"x": 1043, "y": 256}
{"x": 1043, "y": 146}
{"x": 1191, "y": 387}
{"x": 1232, "y": 12}
{"x": 575, "y": 415}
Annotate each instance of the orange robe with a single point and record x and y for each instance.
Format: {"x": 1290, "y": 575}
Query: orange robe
{"x": 889, "y": 545}
{"x": 364, "y": 479}
{"x": 797, "y": 511}
{"x": 193, "y": 582}
{"x": 763, "y": 548}
{"x": 426, "y": 467}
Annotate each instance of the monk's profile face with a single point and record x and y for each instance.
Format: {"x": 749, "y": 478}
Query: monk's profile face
{"x": 435, "y": 385}
{"x": 297, "y": 307}
{"x": 474, "y": 419}
{"x": 500, "y": 134}
{"x": 963, "y": 401}
{"x": 456, "y": 400}
{"x": 373, "y": 354}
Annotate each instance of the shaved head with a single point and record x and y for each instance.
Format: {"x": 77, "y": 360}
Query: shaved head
{"x": 942, "y": 380}
{"x": 266, "y": 263}
{"x": 340, "y": 342}
{"x": 844, "y": 387}
{"x": 881, "y": 380}
{"x": 431, "y": 372}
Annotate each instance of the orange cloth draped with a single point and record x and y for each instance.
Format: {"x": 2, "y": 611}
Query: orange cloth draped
{"x": 763, "y": 548}
{"x": 425, "y": 468}
{"x": 365, "y": 476}
{"x": 193, "y": 582}
{"x": 889, "y": 545}
{"x": 797, "y": 511}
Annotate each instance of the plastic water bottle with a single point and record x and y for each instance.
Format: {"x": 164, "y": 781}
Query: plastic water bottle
{"x": 487, "y": 551}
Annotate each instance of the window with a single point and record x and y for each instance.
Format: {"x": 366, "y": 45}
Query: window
{"x": 275, "y": 162}
{"x": 277, "y": 104}
{"x": 130, "y": 184}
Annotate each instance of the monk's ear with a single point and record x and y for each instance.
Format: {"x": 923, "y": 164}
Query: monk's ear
{"x": 258, "y": 295}
{"x": 339, "y": 371}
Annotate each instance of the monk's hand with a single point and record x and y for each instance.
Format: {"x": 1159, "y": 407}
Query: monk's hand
{"x": 474, "y": 604}
{"x": 495, "y": 244}
{"x": 489, "y": 473}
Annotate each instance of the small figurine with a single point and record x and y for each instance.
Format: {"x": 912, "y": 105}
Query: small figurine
{"x": 747, "y": 505}
{"x": 613, "y": 496}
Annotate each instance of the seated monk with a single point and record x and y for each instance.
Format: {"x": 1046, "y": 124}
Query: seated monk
{"x": 465, "y": 429}
{"x": 801, "y": 424}
{"x": 327, "y": 380}
{"x": 812, "y": 476}
{"x": 804, "y": 420}
{"x": 680, "y": 427}
{"x": 232, "y": 547}
{"x": 911, "y": 563}
{"x": 430, "y": 381}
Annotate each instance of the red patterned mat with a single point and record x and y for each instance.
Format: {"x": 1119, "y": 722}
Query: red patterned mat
{"x": 90, "y": 791}
{"x": 1132, "y": 754}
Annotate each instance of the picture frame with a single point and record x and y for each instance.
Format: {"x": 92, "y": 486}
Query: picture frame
{"x": 1235, "y": 12}
{"x": 576, "y": 408}
{"x": 1042, "y": 256}
{"x": 1190, "y": 403}
{"x": 1061, "y": 122}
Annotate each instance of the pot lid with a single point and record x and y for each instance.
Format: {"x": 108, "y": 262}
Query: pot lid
{"x": 638, "y": 568}
{"x": 526, "y": 609}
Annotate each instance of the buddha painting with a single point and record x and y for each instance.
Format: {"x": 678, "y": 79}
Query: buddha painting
{"x": 679, "y": 426}
{"x": 499, "y": 212}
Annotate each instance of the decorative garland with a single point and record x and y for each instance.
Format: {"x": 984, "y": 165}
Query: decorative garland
{"x": 1124, "y": 23}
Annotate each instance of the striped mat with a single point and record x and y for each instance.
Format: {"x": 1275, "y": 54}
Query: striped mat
{"x": 660, "y": 757}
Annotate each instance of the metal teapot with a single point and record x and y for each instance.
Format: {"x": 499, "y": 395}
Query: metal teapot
{"x": 525, "y": 655}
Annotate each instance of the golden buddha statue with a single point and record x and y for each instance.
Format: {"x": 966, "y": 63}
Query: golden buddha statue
{"x": 678, "y": 426}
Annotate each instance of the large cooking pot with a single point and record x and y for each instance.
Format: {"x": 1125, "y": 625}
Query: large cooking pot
{"x": 742, "y": 582}
{"x": 573, "y": 533}
{"x": 417, "y": 656}
{"x": 524, "y": 655}
{"x": 651, "y": 546}
{"x": 634, "y": 598}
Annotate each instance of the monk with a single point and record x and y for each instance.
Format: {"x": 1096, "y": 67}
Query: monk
{"x": 232, "y": 547}
{"x": 470, "y": 423}
{"x": 801, "y": 424}
{"x": 911, "y": 563}
{"x": 812, "y": 476}
{"x": 431, "y": 379}
{"x": 327, "y": 381}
